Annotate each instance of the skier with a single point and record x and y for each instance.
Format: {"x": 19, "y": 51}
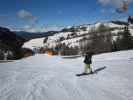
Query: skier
{"x": 88, "y": 62}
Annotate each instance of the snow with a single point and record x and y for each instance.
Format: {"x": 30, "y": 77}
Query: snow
{"x": 44, "y": 77}
{"x": 69, "y": 38}
{"x": 120, "y": 55}
{"x": 112, "y": 25}
{"x": 34, "y": 43}
{"x": 72, "y": 42}
{"x": 131, "y": 31}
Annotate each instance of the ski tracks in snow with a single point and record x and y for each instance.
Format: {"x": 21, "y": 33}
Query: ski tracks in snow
{"x": 36, "y": 79}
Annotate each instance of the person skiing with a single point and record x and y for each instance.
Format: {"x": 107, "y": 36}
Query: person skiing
{"x": 88, "y": 62}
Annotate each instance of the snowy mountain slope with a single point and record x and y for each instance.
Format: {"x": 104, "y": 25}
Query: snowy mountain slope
{"x": 72, "y": 36}
{"x": 34, "y": 43}
{"x": 44, "y": 77}
{"x": 82, "y": 31}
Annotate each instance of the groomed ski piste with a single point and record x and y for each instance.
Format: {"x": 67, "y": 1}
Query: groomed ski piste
{"x": 44, "y": 77}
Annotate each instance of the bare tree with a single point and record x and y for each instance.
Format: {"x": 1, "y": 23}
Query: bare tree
{"x": 101, "y": 40}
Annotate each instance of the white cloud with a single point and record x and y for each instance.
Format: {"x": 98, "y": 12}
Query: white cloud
{"x": 120, "y": 6}
{"x": 115, "y": 3}
{"x": 29, "y": 28}
{"x": 27, "y": 16}
{"x": 52, "y": 28}
{"x": 104, "y": 2}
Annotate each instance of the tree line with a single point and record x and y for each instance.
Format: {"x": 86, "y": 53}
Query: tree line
{"x": 100, "y": 41}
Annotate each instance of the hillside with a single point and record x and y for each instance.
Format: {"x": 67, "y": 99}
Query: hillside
{"x": 33, "y": 35}
{"x": 8, "y": 37}
{"x": 34, "y": 43}
{"x": 44, "y": 77}
{"x": 72, "y": 36}
{"x": 78, "y": 36}
{"x": 10, "y": 42}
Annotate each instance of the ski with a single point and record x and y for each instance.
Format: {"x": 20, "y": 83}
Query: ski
{"x": 94, "y": 72}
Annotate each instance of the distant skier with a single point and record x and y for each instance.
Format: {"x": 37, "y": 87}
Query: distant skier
{"x": 88, "y": 62}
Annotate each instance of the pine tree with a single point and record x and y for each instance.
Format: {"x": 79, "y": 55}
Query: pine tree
{"x": 124, "y": 40}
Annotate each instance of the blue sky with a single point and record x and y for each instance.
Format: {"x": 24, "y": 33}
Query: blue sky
{"x": 41, "y": 13}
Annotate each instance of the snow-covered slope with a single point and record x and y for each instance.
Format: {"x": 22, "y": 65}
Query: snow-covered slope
{"x": 43, "y": 77}
{"x": 34, "y": 43}
{"x": 120, "y": 55}
{"x": 72, "y": 36}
